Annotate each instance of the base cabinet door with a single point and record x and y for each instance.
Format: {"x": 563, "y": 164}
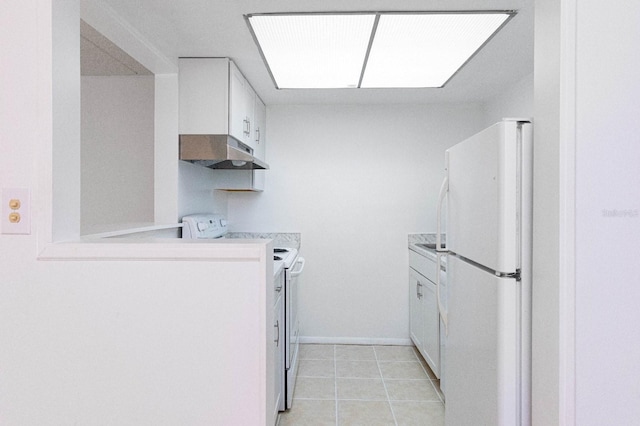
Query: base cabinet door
{"x": 424, "y": 320}
{"x": 431, "y": 321}
{"x": 416, "y": 319}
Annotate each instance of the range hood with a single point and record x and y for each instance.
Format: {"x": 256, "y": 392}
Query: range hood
{"x": 219, "y": 152}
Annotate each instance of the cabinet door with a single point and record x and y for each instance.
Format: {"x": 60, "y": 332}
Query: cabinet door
{"x": 203, "y": 96}
{"x": 416, "y": 319}
{"x": 250, "y": 105}
{"x": 259, "y": 137}
{"x": 238, "y": 120}
{"x": 431, "y": 342}
{"x": 260, "y": 121}
{"x": 241, "y": 107}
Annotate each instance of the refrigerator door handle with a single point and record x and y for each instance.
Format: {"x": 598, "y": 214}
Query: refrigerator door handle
{"x": 439, "y": 251}
{"x": 443, "y": 192}
{"x": 441, "y": 311}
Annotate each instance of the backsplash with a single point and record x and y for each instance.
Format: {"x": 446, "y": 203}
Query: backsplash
{"x": 282, "y": 239}
{"x": 426, "y": 238}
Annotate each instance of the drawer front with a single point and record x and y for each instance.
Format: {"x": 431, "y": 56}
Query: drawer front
{"x": 423, "y": 265}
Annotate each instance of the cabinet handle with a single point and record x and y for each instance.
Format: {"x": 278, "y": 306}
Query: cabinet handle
{"x": 278, "y": 288}
{"x": 418, "y": 293}
{"x": 277, "y": 339}
{"x": 245, "y": 125}
{"x": 258, "y": 135}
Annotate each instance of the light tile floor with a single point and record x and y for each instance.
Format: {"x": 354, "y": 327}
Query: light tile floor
{"x": 349, "y": 385}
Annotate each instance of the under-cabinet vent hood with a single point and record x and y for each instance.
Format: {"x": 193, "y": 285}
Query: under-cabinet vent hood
{"x": 218, "y": 152}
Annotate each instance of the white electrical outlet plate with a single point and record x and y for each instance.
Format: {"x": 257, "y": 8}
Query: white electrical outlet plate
{"x": 16, "y": 211}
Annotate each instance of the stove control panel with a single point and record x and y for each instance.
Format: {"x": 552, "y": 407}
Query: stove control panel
{"x": 204, "y": 226}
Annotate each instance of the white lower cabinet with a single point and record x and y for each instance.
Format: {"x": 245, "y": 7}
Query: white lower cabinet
{"x": 424, "y": 324}
{"x": 278, "y": 345}
{"x": 416, "y": 308}
{"x": 431, "y": 342}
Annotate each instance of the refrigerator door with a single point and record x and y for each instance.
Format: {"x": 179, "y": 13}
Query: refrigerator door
{"x": 483, "y": 202}
{"x": 483, "y": 347}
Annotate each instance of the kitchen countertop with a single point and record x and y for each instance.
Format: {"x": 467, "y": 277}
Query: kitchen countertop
{"x": 415, "y": 239}
{"x": 280, "y": 239}
{"x": 145, "y": 233}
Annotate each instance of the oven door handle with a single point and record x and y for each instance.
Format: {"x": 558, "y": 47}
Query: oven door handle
{"x": 294, "y": 272}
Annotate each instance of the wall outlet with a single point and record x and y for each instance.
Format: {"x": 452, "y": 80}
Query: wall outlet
{"x": 16, "y": 211}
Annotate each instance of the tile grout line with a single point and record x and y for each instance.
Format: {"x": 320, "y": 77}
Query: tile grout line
{"x": 384, "y": 384}
{"x": 379, "y": 359}
{"x": 429, "y": 377}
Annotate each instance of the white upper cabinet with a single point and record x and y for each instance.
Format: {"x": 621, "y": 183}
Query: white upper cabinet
{"x": 216, "y": 99}
{"x": 241, "y": 107}
{"x": 259, "y": 129}
{"x": 204, "y": 96}
{"x": 259, "y": 138}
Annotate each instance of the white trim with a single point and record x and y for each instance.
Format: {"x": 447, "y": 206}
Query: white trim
{"x": 169, "y": 249}
{"x": 50, "y": 210}
{"x": 165, "y": 182}
{"x": 382, "y": 341}
{"x": 66, "y": 118}
{"x": 42, "y": 198}
{"x": 111, "y": 25}
{"x": 567, "y": 215}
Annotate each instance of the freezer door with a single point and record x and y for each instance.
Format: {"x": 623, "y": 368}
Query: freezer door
{"x": 484, "y": 200}
{"x": 483, "y": 372}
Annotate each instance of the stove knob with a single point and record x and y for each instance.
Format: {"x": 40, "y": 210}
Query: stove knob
{"x": 223, "y": 222}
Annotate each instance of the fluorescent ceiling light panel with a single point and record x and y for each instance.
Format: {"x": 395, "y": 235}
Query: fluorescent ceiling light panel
{"x": 371, "y": 49}
{"x": 314, "y": 51}
{"x": 425, "y": 50}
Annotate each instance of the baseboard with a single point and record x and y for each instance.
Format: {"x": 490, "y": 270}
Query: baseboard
{"x": 355, "y": 341}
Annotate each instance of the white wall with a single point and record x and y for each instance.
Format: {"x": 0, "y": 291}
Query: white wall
{"x": 196, "y": 193}
{"x": 514, "y": 102}
{"x": 607, "y": 291}
{"x": 117, "y": 151}
{"x": 354, "y": 180}
{"x": 118, "y": 158}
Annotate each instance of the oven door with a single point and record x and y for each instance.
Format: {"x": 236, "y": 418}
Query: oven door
{"x": 291, "y": 320}
{"x": 292, "y": 325}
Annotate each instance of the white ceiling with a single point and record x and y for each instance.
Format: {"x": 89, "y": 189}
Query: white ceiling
{"x": 217, "y": 28}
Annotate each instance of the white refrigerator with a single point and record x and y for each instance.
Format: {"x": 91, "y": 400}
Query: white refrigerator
{"x": 488, "y": 195}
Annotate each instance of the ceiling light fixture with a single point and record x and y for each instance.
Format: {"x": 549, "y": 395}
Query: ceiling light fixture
{"x": 370, "y": 49}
